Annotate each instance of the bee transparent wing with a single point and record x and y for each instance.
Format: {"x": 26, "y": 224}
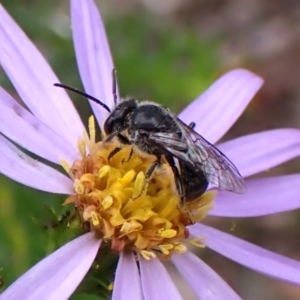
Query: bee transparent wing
{"x": 198, "y": 152}
{"x": 218, "y": 169}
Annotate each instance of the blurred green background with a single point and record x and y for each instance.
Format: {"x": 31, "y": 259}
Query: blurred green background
{"x": 168, "y": 52}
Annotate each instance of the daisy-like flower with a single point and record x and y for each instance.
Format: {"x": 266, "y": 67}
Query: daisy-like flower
{"x": 140, "y": 223}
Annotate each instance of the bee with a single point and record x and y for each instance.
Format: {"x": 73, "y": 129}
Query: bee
{"x": 152, "y": 129}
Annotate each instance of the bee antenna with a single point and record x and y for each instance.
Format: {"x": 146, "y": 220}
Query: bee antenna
{"x": 114, "y": 86}
{"x": 64, "y": 86}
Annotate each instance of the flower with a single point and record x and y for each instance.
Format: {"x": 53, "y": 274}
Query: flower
{"x": 53, "y": 127}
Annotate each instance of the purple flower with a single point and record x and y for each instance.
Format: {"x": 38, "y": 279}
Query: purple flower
{"x": 51, "y": 128}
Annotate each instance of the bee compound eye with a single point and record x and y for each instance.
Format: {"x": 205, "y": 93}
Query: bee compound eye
{"x": 108, "y": 125}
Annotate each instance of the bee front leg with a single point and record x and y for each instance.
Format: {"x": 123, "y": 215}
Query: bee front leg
{"x": 148, "y": 177}
{"x": 118, "y": 149}
{"x": 124, "y": 141}
{"x": 129, "y": 157}
{"x": 113, "y": 153}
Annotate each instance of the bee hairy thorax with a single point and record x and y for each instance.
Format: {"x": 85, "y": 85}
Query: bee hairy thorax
{"x": 147, "y": 120}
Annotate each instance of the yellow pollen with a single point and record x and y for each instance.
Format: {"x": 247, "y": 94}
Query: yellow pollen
{"x": 127, "y": 178}
{"x": 92, "y": 129}
{"x": 65, "y": 165}
{"x": 87, "y": 213}
{"x": 139, "y": 184}
{"x": 107, "y": 202}
{"x": 198, "y": 242}
{"x": 78, "y": 187}
{"x": 110, "y": 286}
{"x": 103, "y": 171}
{"x": 70, "y": 199}
{"x": 126, "y": 227}
{"x": 126, "y": 206}
{"x": 95, "y": 220}
{"x": 180, "y": 248}
{"x": 165, "y": 249}
{"x": 81, "y": 145}
{"x": 148, "y": 254}
{"x": 168, "y": 233}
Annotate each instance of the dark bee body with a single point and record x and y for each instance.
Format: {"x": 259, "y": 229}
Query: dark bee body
{"x": 193, "y": 181}
{"x": 152, "y": 129}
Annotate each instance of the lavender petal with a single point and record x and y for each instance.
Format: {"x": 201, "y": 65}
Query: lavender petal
{"x": 219, "y": 107}
{"x": 156, "y": 282}
{"x": 93, "y": 55}
{"x": 57, "y": 275}
{"x": 264, "y": 196}
{"x": 258, "y": 152}
{"x": 33, "y": 79}
{"x": 20, "y": 167}
{"x": 204, "y": 281}
{"x": 249, "y": 255}
{"x": 127, "y": 275}
{"x": 39, "y": 139}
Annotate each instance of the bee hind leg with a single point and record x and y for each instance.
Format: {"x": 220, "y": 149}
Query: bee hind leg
{"x": 177, "y": 179}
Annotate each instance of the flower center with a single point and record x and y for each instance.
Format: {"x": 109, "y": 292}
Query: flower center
{"x": 126, "y": 208}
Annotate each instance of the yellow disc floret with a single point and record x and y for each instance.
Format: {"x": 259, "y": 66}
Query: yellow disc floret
{"x": 123, "y": 206}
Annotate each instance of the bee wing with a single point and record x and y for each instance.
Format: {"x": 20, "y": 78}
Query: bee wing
{"x": 218, "y": 169}
{"x": 197, "y": 151}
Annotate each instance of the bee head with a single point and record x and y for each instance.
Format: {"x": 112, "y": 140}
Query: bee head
{"x": 118, "y": 119}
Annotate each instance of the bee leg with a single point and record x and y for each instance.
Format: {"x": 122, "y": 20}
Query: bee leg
{"x": 148, "y": 177}
{"x": 177, "y": 178}
{"x": 152, "y": 168}
{"x": 114, "y": 152}
{"x": 110, "y": 137}
{"x": 192, "y": 125}
{"x": 180, "y": 189}
{"x": 121, "y": 138}
{"x": 124, "y": 141}
{"x": 129, "y": 157}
